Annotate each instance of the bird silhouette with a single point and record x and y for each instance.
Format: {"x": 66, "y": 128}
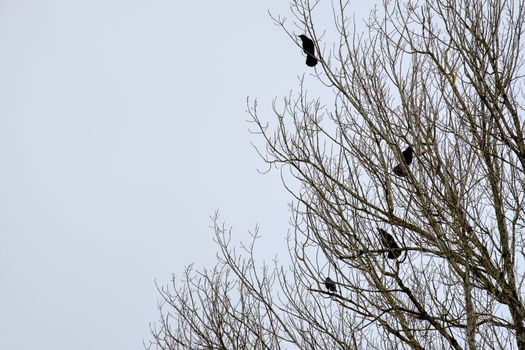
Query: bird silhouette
{"x": 309, "y": 50}
{"x": 408, "y": 155}
{"x": 389, "y": 243}
{"x": 330, "y": 285}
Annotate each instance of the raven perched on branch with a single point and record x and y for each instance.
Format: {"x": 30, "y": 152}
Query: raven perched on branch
{"x": 309, "y": 50}
{"x": 408, "y": 155}
{"x": 389, "y": 243}
{"x": 330, "y": 285}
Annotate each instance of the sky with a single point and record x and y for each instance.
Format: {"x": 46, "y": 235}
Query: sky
{"x": 123, "y": 128}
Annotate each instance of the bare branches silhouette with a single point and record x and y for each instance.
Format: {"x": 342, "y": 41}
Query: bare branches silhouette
{"x": 443, "y": 77}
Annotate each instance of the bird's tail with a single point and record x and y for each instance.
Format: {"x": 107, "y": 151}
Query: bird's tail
{"x": 311, "y": 61}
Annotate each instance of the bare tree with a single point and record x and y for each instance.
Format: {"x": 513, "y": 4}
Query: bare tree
{"x": 408, "y": 190}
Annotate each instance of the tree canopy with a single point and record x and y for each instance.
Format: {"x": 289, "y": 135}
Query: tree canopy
{"x": 433, "y": 89}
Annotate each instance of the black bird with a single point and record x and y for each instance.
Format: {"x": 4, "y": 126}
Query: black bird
{"x": 330, "y": 285}
{"x": 408, "y": 155}
{"x": 309, "y": 50}
{"x": 389, "y": 243}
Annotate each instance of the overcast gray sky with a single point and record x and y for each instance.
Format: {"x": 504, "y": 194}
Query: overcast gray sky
{"x": 122, "y": 129}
